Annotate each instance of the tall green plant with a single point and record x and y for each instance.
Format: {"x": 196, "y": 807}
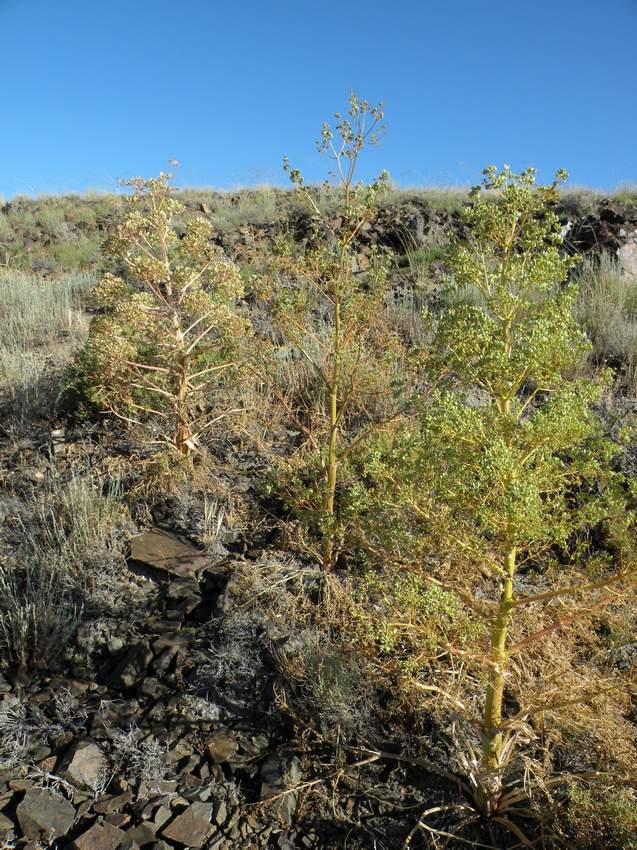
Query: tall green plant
{"x": 508, "y": 467}
{"x": 168, "y": 328}
{"x": 328, "y": 305}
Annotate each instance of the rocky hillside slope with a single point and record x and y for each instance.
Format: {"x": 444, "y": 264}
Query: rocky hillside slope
{"x": 176, "y": 693}
{"x": 65, "y": 233}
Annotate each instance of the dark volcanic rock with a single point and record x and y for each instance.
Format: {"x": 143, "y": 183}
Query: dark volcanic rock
{"x": 613, "y": 230}
{"x": 281, "y": 773}
{"x": 192, "y": 827}
{"x": 169, "y": 553}
{"x": 131, "y": 666}
{"x": 44, "y": 815}
{"x": 101, "y": 836}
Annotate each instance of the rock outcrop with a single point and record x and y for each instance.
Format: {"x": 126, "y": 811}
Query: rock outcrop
{"x": 612, "y": 229}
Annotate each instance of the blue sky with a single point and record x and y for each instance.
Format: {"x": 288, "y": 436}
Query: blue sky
{"x": 96, "y": 91}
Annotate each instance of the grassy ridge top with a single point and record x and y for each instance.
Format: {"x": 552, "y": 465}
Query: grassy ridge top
{"x": 65, "y": 232}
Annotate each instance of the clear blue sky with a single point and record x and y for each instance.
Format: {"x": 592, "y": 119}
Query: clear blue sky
{"x": 92, "y": 91}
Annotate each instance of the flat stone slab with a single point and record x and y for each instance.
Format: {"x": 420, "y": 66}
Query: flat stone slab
{"x": 85, "y": 764}
{"x": 101, "y": 836}
{"x": 168, "y": 552}
{"x": 192, "y": 827}
{"x": 44, "y": 815}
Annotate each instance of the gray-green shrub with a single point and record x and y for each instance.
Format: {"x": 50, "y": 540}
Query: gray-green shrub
{"x": 37, "y": 616}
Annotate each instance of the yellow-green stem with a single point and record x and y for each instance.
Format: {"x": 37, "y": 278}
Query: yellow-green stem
{"x": 183, "y": 433}
{"x": 332, "y": 445}
{"x": 492, "y": 739}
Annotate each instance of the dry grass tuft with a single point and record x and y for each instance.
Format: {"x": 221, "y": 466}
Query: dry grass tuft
{"x": 41, "y": 321}
{"x": 607, "y": 308}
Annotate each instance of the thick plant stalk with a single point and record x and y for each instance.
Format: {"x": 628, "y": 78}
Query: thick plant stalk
{"x": 492, "y": 719}
{"x": 332, "y": 447}
{"x": 330, "y": 494}
{"x": 492, "y": 738}
{"x": 183, "y": 435}
{"x": 335, "y": 404}
{"x": 329, "y": 268}
{"x": 183, "y": 431}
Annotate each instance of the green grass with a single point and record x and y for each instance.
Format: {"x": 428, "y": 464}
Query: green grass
{"x": 626, "y": 193}
{"x": 49, "y": 217}
{"x": 78, "y": 253}
{"x": 55, "y": 233}
{"x": 449, "y": 198}
{"x": 229, "y": 210}
{"x": 5, "y": 227}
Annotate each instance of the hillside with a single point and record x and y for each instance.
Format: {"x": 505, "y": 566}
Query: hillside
{"x": 176, "y": 669}
{"x": 65, "y": 233}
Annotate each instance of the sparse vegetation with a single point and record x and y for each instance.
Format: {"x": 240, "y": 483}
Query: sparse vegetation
{"x": 66, "y": 567}
{"x": 606, "y": 818}
{"x": 404, "y": 557}
{"x": 38, "y": 616}
{"x": 140, "y": 756}
{"x": 625, "y": 193}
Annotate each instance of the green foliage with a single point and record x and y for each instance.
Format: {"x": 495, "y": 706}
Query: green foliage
{"x": 603, "y": 817}
{"x": 80, "y": 253}
{"x": 168, "y": 330}
{"x": 414, "y": 619}
{"x": 506, "y": 461}
{"x": 421, "y": 258}
{"x": 512, "y": 435}
{"x": 5, "y": 228}
{"x": 331, "y": 312}
{"x": 55, "y": 233}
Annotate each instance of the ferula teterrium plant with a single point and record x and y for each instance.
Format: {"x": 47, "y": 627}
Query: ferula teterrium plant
{"x": 168, "y": 329}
